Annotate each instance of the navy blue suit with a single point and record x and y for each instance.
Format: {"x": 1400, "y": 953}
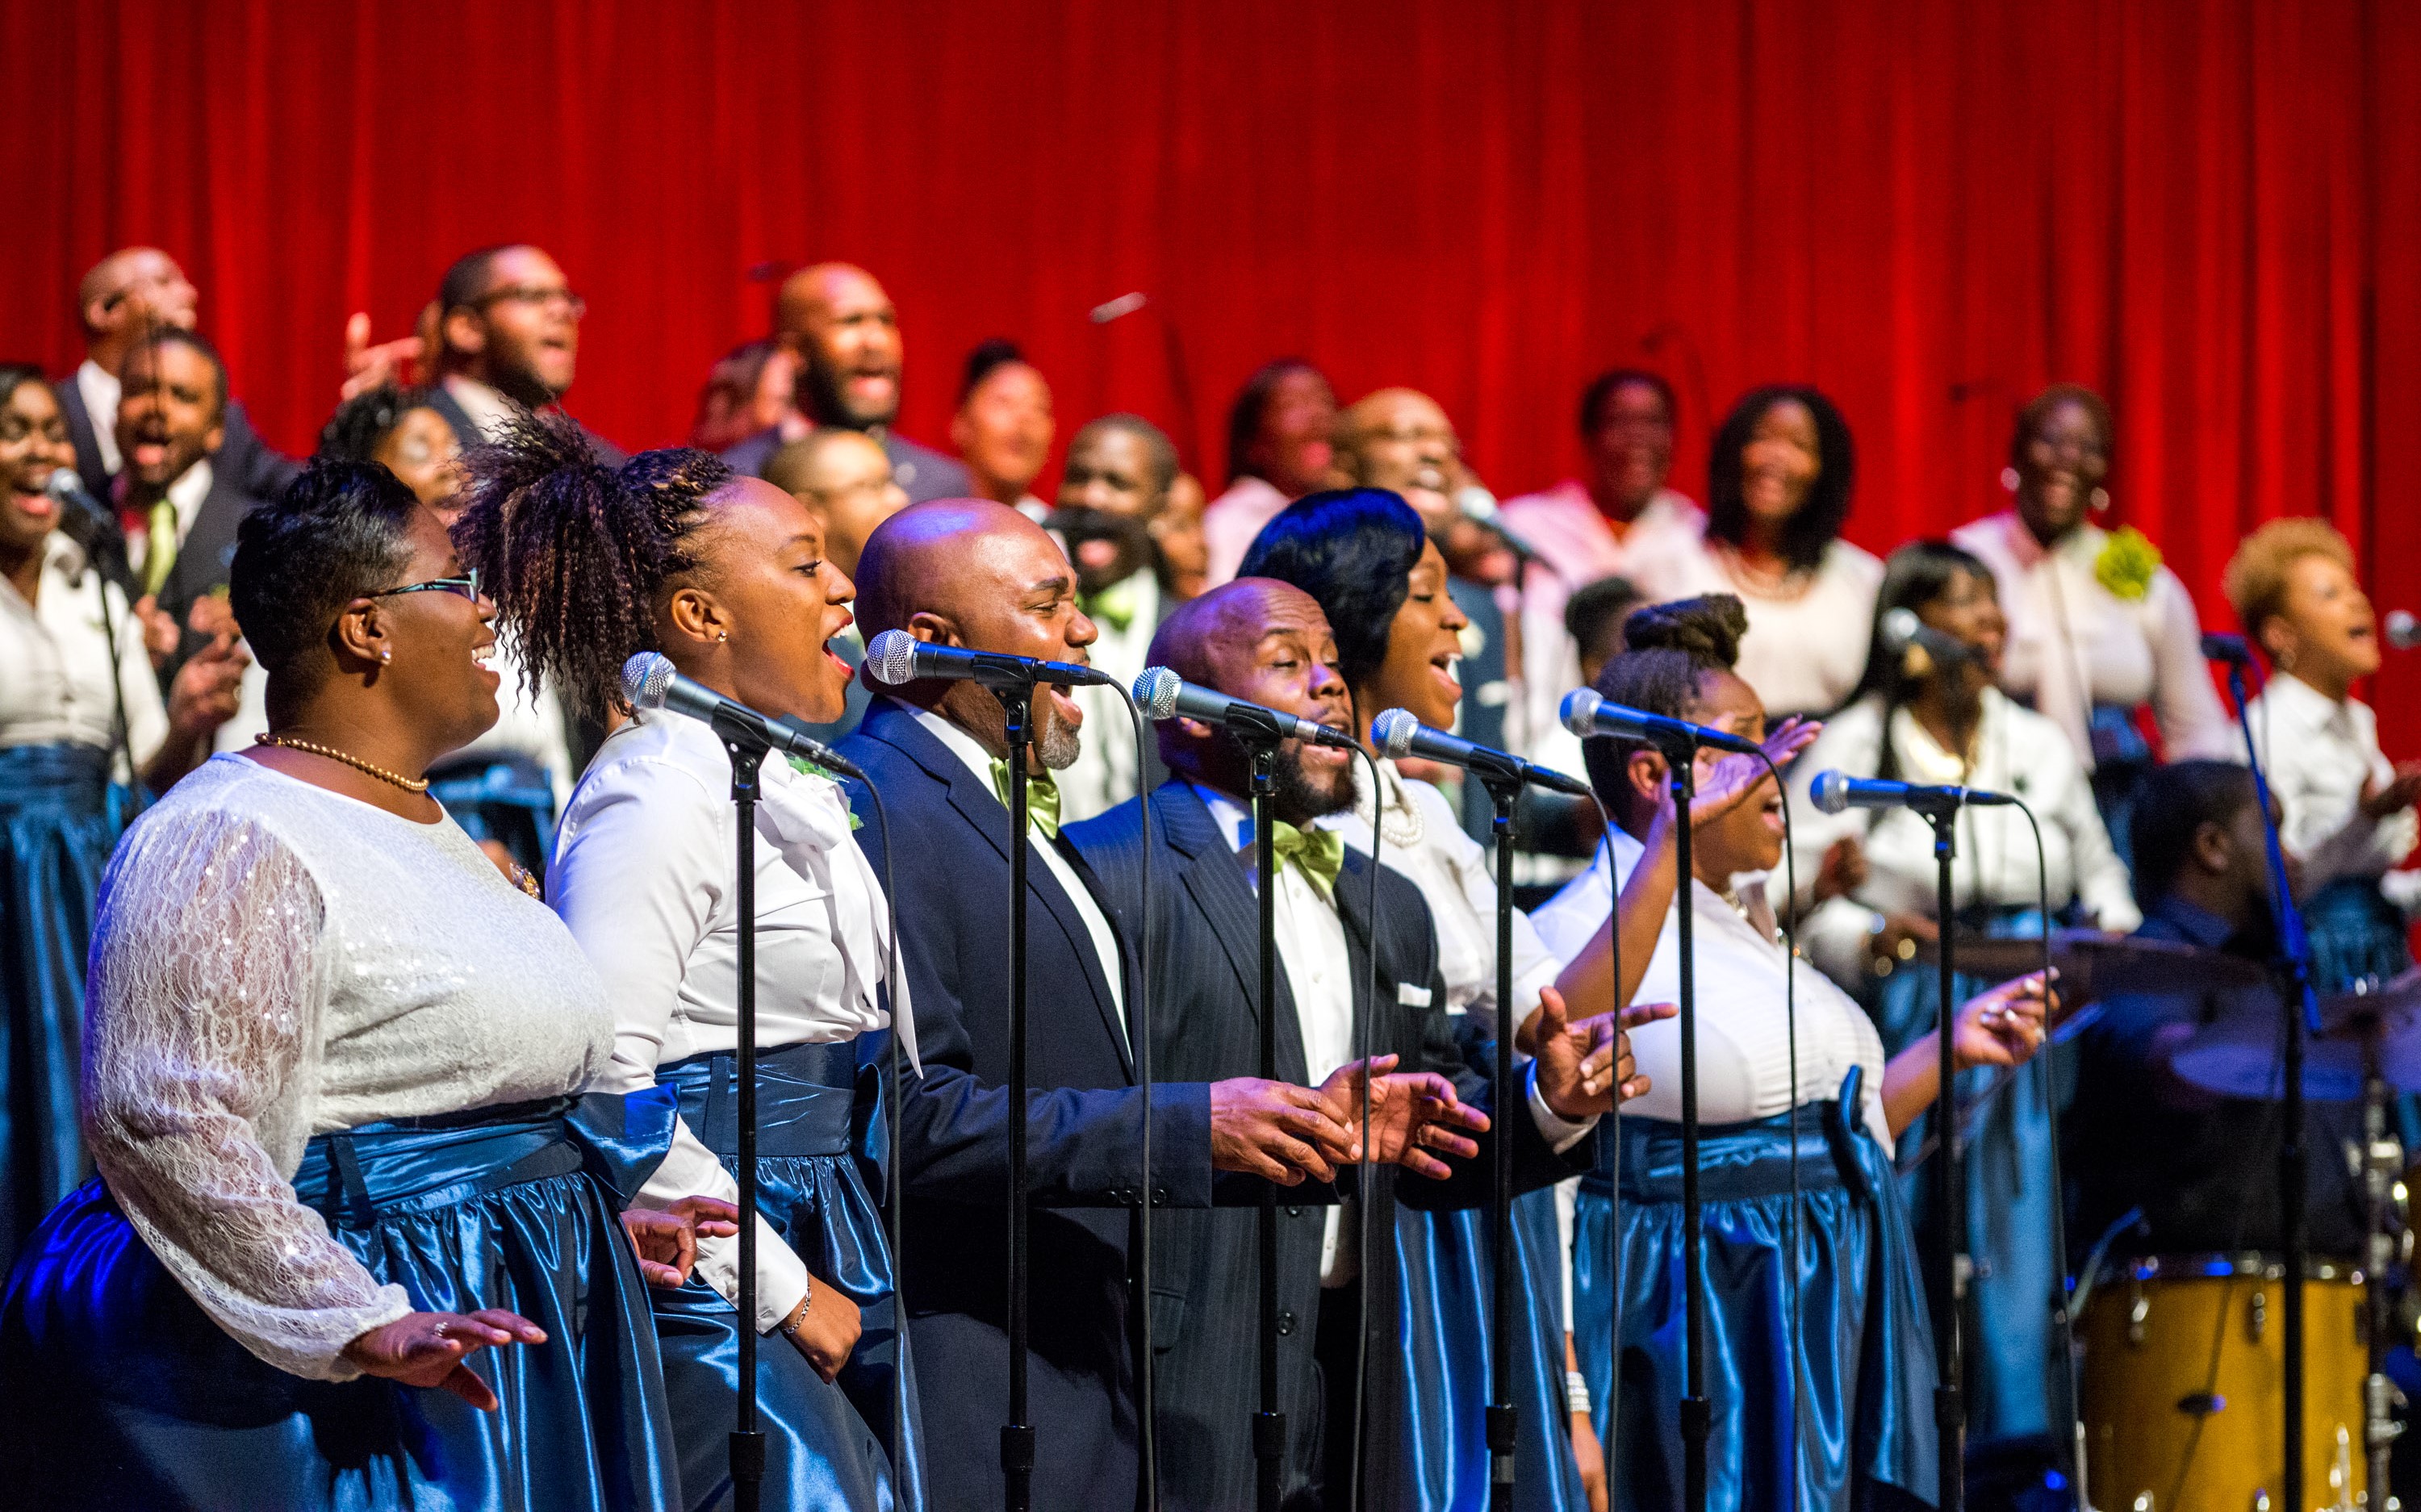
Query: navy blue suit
{"x": 1205, "y": 933}
{"x": 950, "y": 872}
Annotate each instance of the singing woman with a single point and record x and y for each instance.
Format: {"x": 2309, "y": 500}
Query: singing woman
{"x": 727, "y": 577}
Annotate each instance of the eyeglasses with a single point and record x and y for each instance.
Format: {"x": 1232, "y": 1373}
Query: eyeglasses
{"x": 538, "y": 294}
{"x": 467, "y": 586}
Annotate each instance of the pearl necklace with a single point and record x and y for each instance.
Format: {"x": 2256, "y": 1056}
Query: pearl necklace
{"x": 410, "y": 785}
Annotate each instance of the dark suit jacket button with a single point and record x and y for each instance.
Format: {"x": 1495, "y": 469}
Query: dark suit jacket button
{"x": 1160, "y": 1196}
{"x": 1294, "y": 1212}
{"x": 1286, "y": 1325}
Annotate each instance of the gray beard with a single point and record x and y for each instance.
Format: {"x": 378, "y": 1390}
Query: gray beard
{"x": 1058, "y": 746}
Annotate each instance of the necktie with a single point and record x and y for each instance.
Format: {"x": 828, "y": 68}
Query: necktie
{"x": 1041, "y": 798}
{"x": 160, "y": 553}
{"x": 1317, "y": 853}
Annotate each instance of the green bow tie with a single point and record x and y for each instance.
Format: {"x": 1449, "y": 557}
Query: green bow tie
{"x": 1317, "y": 853}
{"x": 1041, "y": 798}
{"x": 1114, "y": 606}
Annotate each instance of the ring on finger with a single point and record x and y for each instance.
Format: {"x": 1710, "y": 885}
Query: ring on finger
{"x": 444, "y": 1331}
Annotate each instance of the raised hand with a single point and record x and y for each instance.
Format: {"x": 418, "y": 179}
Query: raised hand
{"x": 1275, "y": 1130}
{"x": 1415, "y": 1115}
{"x": 161, "y": 636}
{"x": 368, "y": 367}
{"x": 429, "y": 1348}
{"x": 208, "y": 688}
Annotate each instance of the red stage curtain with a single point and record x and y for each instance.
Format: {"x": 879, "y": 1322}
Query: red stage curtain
{"x": 2208, "y": 209}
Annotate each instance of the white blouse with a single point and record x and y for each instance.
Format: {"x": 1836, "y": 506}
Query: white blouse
{"x": 1806, "y": 645}
{"x": 2318, "y": 754}
{"x": 2017, "y": 752}
{"x": 2073, "y": 643}
{"x": 643, "y": 876}
{"x": 1744, "y": 1034}
{"x": 1424, "y": 841}
{"x": 271, "y": 961}
{"x": 56, "y": 682}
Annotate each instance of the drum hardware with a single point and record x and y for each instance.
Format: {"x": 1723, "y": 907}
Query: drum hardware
{"x": 2258, "y": 1315}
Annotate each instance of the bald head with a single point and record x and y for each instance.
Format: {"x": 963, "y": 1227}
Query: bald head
{"x": 1266, "y": 642}
{"x": 129, "y": 293}
{"x": 839, "y": 320}
{"x": 1398, "y": 439}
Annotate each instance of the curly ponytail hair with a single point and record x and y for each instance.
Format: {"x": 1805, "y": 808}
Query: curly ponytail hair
{"x": 1667, "y": 649}
{"x": 574, "y": 553}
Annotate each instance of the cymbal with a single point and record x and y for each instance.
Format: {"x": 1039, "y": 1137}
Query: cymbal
{"x": 2092, "y": 964}
{"x": 2241, "y": 1053}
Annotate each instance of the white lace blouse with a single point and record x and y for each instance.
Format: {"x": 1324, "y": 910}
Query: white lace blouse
{"x": 271, "y": 961}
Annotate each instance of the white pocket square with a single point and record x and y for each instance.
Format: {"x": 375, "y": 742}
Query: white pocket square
{"x": 1411, "y": 996}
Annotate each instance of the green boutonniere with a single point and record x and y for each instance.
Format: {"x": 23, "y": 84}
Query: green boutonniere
{"x": 801, "y": 764}
{"x": 2127, "y": 563}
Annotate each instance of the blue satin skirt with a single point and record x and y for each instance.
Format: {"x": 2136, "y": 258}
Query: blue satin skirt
{"x": 2014, "y": 1386}
{"x": 1865, "y": 1385}
{"x": 117, "y": 1392}
{"x": 1446, "y": 1263}
{"x": 57, "y": 823}
{"x": 827, "y": 1447}
{"x": 508, "y": 800}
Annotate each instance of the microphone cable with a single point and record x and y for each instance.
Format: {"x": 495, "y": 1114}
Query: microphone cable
{"x": 1362, "y": 1034}
{"x": 1139, "y": 1042}
{"x": 1790, "y": 1032}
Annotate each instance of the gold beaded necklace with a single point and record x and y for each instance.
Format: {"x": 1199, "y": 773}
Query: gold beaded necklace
{"x": 410, "y": 785}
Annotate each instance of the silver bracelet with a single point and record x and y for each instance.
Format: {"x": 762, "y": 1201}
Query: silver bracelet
{"x": 797, "y": 1317}
{"x": 1576, "y": 1393}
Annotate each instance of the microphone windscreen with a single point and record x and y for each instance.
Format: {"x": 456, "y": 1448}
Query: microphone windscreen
{"x": 1830, "y": 792}
{"x": 1580, "y": 711}
{"x": 2403, "y": 631}
{"x": 1393, "y": 732}
{"x": 1155, "y": 691}
{"x": 1900, "y": 626}
{"x": 646, "y": 678}
{"x": 891, "y": 657}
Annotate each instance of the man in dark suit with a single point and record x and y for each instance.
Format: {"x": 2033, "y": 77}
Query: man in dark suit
{"x": 178, "y": 512}
{"x": 1268, "y": 643}
{"x": 973, "y": 573}
{"x": 127, "y": 295}
{"x": 507, "y": 340}
{"x": 846, "y": 333}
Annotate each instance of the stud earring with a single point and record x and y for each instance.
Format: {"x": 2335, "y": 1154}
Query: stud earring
{"x": 387, "y": 654}
{"x": 2100, "y": 499}
{"x": 720, "y": 637}
{"x": 2009, "y": 479}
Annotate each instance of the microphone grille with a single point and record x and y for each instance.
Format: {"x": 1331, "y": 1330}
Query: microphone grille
{"x": 1580, "y": 711}
{"x": 891, "y": 657}
{"x": 1899, "y": 627}
{"x": 2403, "y": 631}
{"x": 646, "y": 678}
{"x": 1830, "y": 792}
{"x": 1394, "y": 730}
{"x": 62, "y": 485}
{"x": 1155, "y": 691}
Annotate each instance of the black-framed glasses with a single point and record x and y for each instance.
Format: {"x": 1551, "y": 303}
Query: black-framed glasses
{"x": 538, "y": 294}
{"x": 467, "y": 586}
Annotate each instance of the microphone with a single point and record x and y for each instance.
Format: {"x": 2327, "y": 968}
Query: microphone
{"x": 2231, "y": 649}
{"x": 895, "y": 657}
{"x": 649, "y": 681}
{"x": 1833, "y": 791}
{"x": 1585, "y": 714}
{"x": 1161, "y": 694}
{"x": 2403, "y": 631}
{"x": 1902, "y": 629}
{"x": 1399, "y": 733}
{"x": 1478, "y": 504}
{"x": 1125, "y": 304}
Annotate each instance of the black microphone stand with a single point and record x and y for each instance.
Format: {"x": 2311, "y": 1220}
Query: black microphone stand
{"x": 1949, "y": 1398}
{"x": 1017, "y": 1435}
{"x": 747, "y": 1442}
{"x": 1502, "y": 792}
{"x": 1269, "y": 1424}
{"x": 2303, "y": 1017}
{"x": 1697, "y": 1417}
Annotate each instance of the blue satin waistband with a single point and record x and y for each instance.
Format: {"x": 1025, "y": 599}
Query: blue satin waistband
{"x": 44, "y": 775}
{"x": 1741, "y": 1163}
{"x": 805, "y": 1095}
{"x": 354, "y": 1176}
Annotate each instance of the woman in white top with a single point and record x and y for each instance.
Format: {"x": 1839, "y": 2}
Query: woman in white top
{"x": 2344, "y": 810}
{"x": 80, "y": 713}
{"x": 2098, "y": 627}
{"x": 1365, "y": 556}
{"x": 727, "y": 577}
{"x": 1778, "y": 481}
{"x": 1933, "y": 720}
{"x": 331, "y": 1053}
{"x": 1861, "y": 1397}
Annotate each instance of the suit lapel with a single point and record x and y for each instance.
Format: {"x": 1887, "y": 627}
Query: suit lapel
{"x": 971, "y": 796}
{"x": 1352, "y": 906}
{"x": 1213, "y": 876}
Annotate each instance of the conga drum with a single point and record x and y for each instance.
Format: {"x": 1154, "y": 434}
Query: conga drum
{"x": 2185, "y": 1388}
